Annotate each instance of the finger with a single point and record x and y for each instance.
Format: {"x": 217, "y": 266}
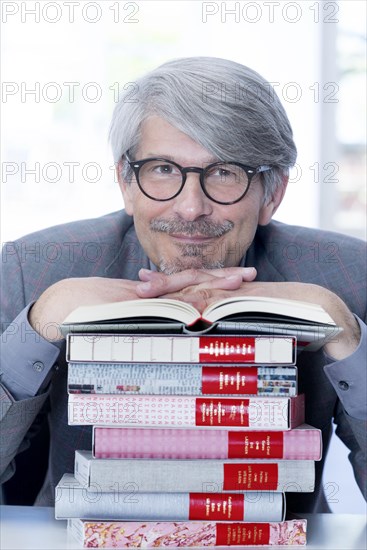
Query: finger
{"x": 196, "y": 292}
{"x": 146, "y": 274}
{"x": 176, "y": 282}
{"x": 203, "y": 295}
{"x": 200, "y": 296}
{"x": 158, "y": 283}
{"x": 185, "y": 277}
{"x": 232, "y": 282}
{"x": 247, "y": 273}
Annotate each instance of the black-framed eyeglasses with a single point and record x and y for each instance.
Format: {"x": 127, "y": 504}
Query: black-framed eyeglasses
{"x": 222, "y": 182}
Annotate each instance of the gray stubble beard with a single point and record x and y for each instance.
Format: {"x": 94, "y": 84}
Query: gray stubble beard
{"x": 197, "y": 255}
{"x": 172, "y": 267}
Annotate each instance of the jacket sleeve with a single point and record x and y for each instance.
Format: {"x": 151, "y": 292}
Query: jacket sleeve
{"x": 26, "y": 367}
{"x": 349, "y": 379}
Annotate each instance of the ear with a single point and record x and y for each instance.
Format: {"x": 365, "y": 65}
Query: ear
{"x": 126, "y": 190}
{"x": 269, "y": 207}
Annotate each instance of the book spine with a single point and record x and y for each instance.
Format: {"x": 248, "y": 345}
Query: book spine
{"x": 187, "y": 534}
{"x": 75, "y": 502}
{"x": 304, "y": 444}
{"x": 185, "y": 411}
{"x": 195, "y": 475}
{"x": 180, "y": 379}
{"x": 181, "y": 349}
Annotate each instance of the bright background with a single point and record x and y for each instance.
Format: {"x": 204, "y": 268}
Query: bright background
{"x": 64, "y": 63}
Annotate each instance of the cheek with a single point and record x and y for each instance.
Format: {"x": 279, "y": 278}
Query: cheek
{"x": 128, "y": 197}
{"x": 146, "y": 210}
{"x": 134, "y": 202}
{"x": 154, "y": 244}
{"x": 247, "y": 213}
{"x": 246, "y": 223}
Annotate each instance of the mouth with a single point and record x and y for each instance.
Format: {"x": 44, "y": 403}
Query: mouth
{"x": 195, "y": 239}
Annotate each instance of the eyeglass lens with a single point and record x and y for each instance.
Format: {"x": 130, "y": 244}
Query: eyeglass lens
{"x": 223, "y": 182}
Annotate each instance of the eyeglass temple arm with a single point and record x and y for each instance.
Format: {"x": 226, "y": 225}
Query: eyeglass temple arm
{"x": 263, "y": 168}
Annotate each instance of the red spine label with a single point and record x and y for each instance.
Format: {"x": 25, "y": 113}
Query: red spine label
{"x": 255, "y": 445}
{"x": 245, "y": 534}
{"x": 214, "y": 506}
{"x": 226, "y": 350}
{"x": 229, "y": 380}
{"x": 221, "y": 412}
{"x": 250, "y": 477}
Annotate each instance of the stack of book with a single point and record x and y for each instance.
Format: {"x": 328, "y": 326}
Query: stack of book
{"x": 196, "y": 438}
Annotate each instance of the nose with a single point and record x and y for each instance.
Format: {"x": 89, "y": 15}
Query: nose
{"x": 192, "y": 203}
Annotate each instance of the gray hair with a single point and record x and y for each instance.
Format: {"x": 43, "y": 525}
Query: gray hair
{"x": 228, "y": 108}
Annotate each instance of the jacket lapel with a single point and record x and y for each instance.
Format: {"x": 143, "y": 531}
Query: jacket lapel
{"x": 259, "y": 255}
{"x": 129, "y": 258}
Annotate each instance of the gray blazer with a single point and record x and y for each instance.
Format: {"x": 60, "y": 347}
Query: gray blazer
{"x": 108, "y": 247}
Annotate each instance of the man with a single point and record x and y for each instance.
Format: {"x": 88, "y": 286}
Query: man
{"x": 201, "y": 175}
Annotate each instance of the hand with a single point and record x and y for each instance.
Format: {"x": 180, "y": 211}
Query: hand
{"x": 66, "y": 295}
{"x": 155, "y": 283}
{"x": 200, "y": 296}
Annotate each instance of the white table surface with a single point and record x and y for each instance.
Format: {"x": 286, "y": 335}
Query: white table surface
{"x": 27, "y": 527}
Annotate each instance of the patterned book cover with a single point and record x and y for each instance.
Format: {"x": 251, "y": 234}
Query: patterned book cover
{"x": 277, "y": 413}
{"x": 181, "y": 379}
{"x": 187, "y": 534}
{"x": 302, "y": 443}
{"x": 121, "y": 348}
{"x": 74, "y": 501}
{"x": 181, "y": 476}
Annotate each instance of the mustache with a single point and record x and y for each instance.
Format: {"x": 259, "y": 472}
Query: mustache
{"x": 205, "y": 228}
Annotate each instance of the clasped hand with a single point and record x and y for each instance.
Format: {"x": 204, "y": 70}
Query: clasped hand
{"x": 201, "y": 288}
{"x": 197, "y": 287}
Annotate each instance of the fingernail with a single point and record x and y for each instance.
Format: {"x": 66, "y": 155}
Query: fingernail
{"x": 144, "y": 270}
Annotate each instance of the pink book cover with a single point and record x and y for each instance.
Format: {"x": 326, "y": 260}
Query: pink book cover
{"x": 302, "y": 443}
{"x": 278, "y": 413}
{"x": 92, "y": 534}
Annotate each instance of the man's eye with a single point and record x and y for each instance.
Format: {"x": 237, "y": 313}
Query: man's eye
{"x": 221, "y": 173}
{"x": 164, "y": 169}
{"x": 224, "y": 173}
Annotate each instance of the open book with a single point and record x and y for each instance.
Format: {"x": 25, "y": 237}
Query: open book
{"x": 237, "y": 315}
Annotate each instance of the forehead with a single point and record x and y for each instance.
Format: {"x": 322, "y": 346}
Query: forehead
{"x": 159, "y": 138}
